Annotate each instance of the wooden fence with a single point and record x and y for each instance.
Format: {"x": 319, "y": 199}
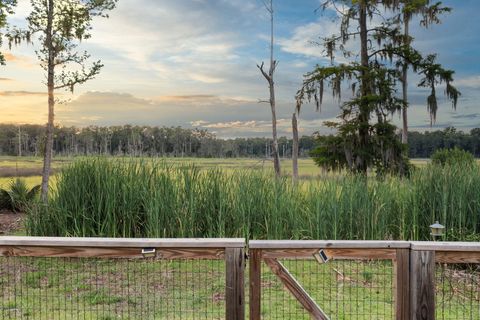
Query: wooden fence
{"x": 413, "y": 276}
{"x": 19, "y": 278}
{"x": 287, "y": 279}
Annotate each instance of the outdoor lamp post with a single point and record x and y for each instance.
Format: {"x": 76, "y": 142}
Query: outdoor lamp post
{"x": 437, "y": 230}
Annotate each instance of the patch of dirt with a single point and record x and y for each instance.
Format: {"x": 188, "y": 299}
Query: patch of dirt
{"x": 10, "y": 222}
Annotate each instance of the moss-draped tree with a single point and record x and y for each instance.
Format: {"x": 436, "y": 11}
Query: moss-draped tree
{"x": 366, "y": 137}
{"x": 429, "y": 14}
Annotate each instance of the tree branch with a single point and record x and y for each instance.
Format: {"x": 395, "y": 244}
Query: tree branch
{"x": 260, "y": 67}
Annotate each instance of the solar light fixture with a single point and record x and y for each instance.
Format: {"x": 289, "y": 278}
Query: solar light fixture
{"x": 321, "y": 256}
{"x": 149, "y": 252}
{"x": 437, "y": 230}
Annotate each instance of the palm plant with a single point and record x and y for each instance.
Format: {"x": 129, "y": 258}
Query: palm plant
{"x": 18, "y": 195}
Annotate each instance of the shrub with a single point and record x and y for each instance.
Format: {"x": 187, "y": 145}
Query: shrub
{"x": 18, "y": 196}
{"x": 453, "y": 156}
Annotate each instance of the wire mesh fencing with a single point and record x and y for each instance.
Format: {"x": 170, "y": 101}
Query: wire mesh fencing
{"x": 327, "y": 279}
{"x": 343, "y": 289}
{"x": 70, "y": 288}
{"x": 64, "y": 283}
{"x": 457, "y": 291}
{"x": 205, "y": 279}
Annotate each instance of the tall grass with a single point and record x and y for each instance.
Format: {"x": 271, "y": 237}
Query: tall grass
{"x": 138, "y": 198}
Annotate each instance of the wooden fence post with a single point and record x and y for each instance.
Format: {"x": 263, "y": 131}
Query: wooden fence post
{"x": 422, "y": 284}
{"x": 402, "y": 284}
{"x": 255, "y": 262}
{"x": 235, "y": 287}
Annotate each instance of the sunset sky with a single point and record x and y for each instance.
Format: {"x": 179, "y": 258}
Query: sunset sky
{"x": 192, "y": 63}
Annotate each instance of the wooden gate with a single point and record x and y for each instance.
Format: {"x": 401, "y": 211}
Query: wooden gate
{"x": 325, "y": 253}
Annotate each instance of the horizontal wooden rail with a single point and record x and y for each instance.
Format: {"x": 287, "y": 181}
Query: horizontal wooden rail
{"x": 123, "y": 242}
{"x": 110, "y": 252}
{"x": 338, "y": 244}
{"x": 235, "y": 243}
{"x": 445, "y": 246}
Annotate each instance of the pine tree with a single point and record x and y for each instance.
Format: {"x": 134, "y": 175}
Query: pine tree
{"x": 59, "y": 26}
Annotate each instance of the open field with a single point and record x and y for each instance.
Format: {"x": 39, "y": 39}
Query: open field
{"x": 30, "y": 168}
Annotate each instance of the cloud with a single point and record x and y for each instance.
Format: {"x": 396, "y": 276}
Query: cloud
{"x": 307, "y": 39}
{"x": 6, "y": 79}
{"x": 198, "y": 123}
{"x": 304, "y": 39}
{"x": 21, "y": 93}
{"x": 193, "y": 63}
{"x": 469, "y": 116}
{"x": 197, "y": 37}
{"x": 22, "y": 61}
{"x": 205, "y": 78}
{"x": 261, "y": 128}
{"x": 107, "y": 108}
{"x": 193, "y": 97}
{"x": 227, "y": 116}
{"x": 234, "y": 124}
{"x": 468, "y": 82}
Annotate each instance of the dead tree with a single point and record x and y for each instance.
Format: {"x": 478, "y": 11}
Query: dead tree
{"x": 295, "y": 147}
{"x": 271, "y": 84}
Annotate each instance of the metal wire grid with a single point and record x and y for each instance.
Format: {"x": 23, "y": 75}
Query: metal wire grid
{"x": 457, "y": 291}
{"x": 344, "y": 289}
{"x": 68, "y": 288}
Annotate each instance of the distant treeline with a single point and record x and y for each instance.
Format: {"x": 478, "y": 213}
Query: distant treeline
{"x": 422, "y": 145}
{"x": 28, "y": 140}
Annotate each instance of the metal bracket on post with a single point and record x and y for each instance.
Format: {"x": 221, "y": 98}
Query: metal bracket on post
{"x": 149, "y": 252}
{"x": 321, "y": 256}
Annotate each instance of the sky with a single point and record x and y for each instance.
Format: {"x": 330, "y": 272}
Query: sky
{"x": 192, "y": 63}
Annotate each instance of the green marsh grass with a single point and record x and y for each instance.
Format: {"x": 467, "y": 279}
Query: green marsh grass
{"x": 149, "y": 198}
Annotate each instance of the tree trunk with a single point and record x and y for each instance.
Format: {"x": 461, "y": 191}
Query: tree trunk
{"x": 295, "y": 147}
{"x": 271, "y": 85}
{"x": 405, "y": 91}
{"x": 276, "y": 157}
{"x": 361, "y": 163}
{"x": 47, "y": 160}
{"x": 19, "y": 141}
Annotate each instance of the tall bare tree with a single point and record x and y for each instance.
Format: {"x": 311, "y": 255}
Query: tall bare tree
{"x": 271, "y": 85}
{"x": 295, "y": 147}
{"x": 59, "y": 26}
